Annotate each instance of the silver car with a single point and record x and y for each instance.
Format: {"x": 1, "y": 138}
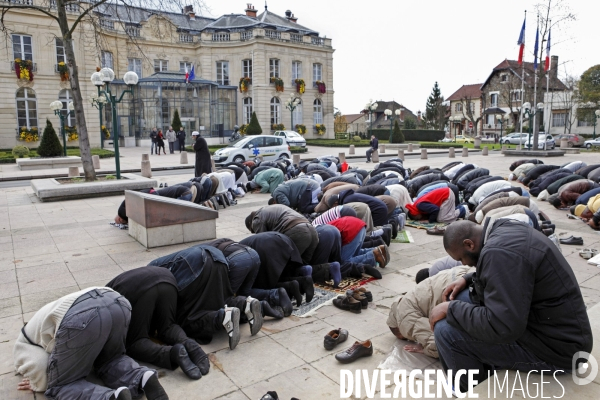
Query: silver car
{"x": 293, "y": 138}
{"x": 592, "y": 143}
{"x": 548, "y": 140}
{"x": 515, "y": 138}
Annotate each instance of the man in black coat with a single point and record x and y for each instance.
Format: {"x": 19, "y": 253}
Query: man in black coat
{"x": 374, "y": 143}
{"x": 181, "y": 139}
{"x": 203, "y": 164}
{"x": 522, "y": 310}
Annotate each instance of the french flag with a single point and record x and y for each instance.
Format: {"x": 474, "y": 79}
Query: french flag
{"x": 547, "y": 64}
{"x": 187, "y": 75}
{"x": 521, "y": 42}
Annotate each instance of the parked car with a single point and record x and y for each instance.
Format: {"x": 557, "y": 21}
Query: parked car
{"x": 293, "y": 138}
{"x": 592, "y": 143}
{"x": 446, "y": 140}
{"x": 549, "y": 141}
{"x": 515, "y": 138}
{"x": 574, "y": 139}
{"x": 464, "y": 139}
{"x": 249, "y": 147}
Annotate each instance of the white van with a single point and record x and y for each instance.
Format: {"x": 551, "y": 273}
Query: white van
{"x": 251, "y": 147}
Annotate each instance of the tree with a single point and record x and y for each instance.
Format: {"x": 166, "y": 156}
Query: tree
{"x": 589, "y": 86}
{"x": 253, "y": 127}
{"x": 88, "y": 17}
{"x": 176, "y": 124}
{"x": 435, "y": 110}
{"x": 398, "y": 135}
{"x": 340, "y": 124}
{"x": 468, "y": 111}
{"x": 50, "y": 145}
{"x": 409, "y": 123}
{"x": 569, "y": 102}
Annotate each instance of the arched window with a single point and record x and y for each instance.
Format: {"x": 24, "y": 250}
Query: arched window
{"x": 247, "y": 110}
{"x": 26, "y": 108}
{"x": 297, "y": 114}
{"x": 65, "y": 97}
{"x": 275, "y": 111}
{"x": 317, "y": 112}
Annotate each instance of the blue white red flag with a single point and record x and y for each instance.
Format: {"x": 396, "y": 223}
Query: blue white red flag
{"x": 521, "y": 42}
{"x": 547, "y": 64}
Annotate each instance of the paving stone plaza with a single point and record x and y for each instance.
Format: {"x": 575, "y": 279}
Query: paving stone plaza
{"x": 48, "y": 250}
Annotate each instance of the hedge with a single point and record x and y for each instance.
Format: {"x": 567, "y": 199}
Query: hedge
{"x": 336, "y": 143}
{"x": 411, "y": 135}
{"x": 435, "y": 145}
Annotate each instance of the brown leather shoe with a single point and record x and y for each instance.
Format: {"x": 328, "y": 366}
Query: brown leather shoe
{"x": 348, "y": 303}
{"x": 364, "y": 303}
{"x": 379, "y": 253}
{"x": 358, "y": 349}
{"x": 367, "y": 293}
{"x": 335, "y": 337}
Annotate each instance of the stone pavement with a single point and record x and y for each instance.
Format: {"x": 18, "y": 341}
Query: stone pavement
{"x": 50, "y": 249}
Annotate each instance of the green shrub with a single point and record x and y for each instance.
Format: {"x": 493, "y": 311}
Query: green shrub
{"x": 356, "y": 138}
{"x": 412, "y": 135}
{"x": 50, "y": 145}
{"x": 397, "y": 136}
{"x": 20, "y": 151}
{"x": 176, "y": 124}
{"x": 253, "y": 127}
{"x": 409, "y": 123}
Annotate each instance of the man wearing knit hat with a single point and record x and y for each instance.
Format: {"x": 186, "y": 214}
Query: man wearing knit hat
{"x": 589, "y": 213}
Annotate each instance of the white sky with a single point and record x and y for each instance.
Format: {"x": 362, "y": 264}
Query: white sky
{"x": 397, "y": 49}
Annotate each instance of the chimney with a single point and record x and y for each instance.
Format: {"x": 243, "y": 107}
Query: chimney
{"x": 189, "y": 11}
{"x": 250, "y": 10}
{"x": 290, "y": 17}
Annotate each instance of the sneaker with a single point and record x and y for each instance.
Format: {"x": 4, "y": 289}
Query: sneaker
{"x": 166, "y": 185}
{"x": 160, "y": 186}
{"x": 231, "y": 323}
{"x": 254, "y": 315}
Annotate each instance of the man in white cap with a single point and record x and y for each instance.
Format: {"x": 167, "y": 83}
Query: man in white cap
{"x": 203, "y": 164}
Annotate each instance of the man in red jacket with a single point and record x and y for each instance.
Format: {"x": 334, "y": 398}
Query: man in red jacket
{"x": 437, "y": 206}
{"x": 353, "y": 234}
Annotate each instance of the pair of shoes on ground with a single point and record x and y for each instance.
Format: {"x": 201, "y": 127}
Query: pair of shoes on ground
{"x": 161, "y": 185}
{"x": 272, "y": 395}
{"x": 437, "y": 230}
{"x": 382, "y": 255}
{"x": 335, "y": 337}
{"x": 231, "y": 320}
{"x": 357, "y": 350}
{"x": 150, "y": 386}
{"x": 354, "y": 301}
{"x": 190, "y": 357}
{"x": 572, "y": 240}
{"x": 586, "y": 254}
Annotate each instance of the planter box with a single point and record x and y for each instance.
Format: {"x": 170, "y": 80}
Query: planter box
{"x": 27, "y": 164}
{"x": 52, "y": 190}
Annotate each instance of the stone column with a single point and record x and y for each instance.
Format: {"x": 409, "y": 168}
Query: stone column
{"x": 296, "y": 159}
{"x": 146, "y": 169}
{"x": 351, "y": 149}
{"x": 401, "y": 154}
{"x": 183, "y": 159}
{"x": 375, "y": 156}
{"x": 73, "y": 171}
{"x": 409, "y": 149}
{"x": 342, "y": 157}
{"x": 96, "y": 162}
{"x": 484, "y": 152}
{"x": 451, "y": 152}
{"x": 465, "y": 152}
{"x": 145, "y": 157}
{"x": 423, "y": 154}
{"x": 382, "y": 148}
{"x": 477, "y": 143}
{"x": 564, "y": 143}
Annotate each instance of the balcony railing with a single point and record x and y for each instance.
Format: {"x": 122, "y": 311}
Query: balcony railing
{"x": 133, "y": 31}
{"x": 317, "y": 41}
{"x": 246, "y": 35}
{"x": 107, "y": 24}
{"x": 70, "y": 7}
{"x": 221, "y": 37}
{"x": 33, "y": 68}
{"x": 271, "y": 34}
{"x": 186, "y": 38}
{"x": 19, "y": 2}
{"x": 295, "y": 37}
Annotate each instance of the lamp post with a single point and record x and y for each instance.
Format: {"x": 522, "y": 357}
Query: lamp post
{"x": 57, "y": 106}
{"x": 98, "y": 102}
{"x": 596, "y": 116}
{"x": 291, "y": 105}
{"x": 501, "y": 122}
{"x": 531, "y": 113}
{"x": 105, "y": 77}
{"x": 370, "y": 108}
{"x": 389, "y": 113}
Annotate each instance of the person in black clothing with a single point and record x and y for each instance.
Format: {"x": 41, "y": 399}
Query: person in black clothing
{"x": 203, "y": 164}
{"x": 521, "y": 309}
{"x": 160, "y": 143}
{"x": 153, "y": 135}
{"x": 152, "y": 293}
{"x": 181, "y": 139}
{"x": 374, "y": 143}
{"x": 173, "y": 192}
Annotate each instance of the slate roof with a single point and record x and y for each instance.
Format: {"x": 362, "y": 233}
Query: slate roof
{"x": 466, "y": 91}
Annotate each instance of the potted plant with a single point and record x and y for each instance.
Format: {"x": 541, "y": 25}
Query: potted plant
{"x": 278, "y": 83}
{"x": 321, "y": 86}
{"x": 320, "y": 128}
{"x": 301, "y": 129}
{"x": 245, "y": 83}
{"x": 63, "y": 70}
{"x": 71, "y": 133}
{"x": 24, "y": 69}
{"x": 28, "y": 135}
{"x": 278, "y": 127}
{"x": 105, "y": 132}
{"x": 300, "y": 85}
{"x": 242, "y": 130}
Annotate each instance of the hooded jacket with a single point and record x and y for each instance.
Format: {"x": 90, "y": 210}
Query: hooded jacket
{"x": 269, "y": 180}
{"x": 487, "y": 189}
{"x": 464, "y": 180}
{"x": 275, "y": 218}
{"x": 524, "y": 291}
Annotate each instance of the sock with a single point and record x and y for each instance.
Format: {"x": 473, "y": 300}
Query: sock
{"x": 118, "y": 391}
{"x": 305, "y": 270}
{"x": 377, "y": 232}
{"x": 334, "y": 270}
{"x": 147, "y": 375}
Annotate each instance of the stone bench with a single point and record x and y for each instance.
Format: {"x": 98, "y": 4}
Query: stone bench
{"x": 534, "y": 153}
{"x": 156, "y": 221}
{"x": 27, "y": 164}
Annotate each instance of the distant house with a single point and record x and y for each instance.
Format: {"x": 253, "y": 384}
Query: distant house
{"x": 465, "y": 110}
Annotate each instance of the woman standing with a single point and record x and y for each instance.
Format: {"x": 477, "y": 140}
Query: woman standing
{"x": 203, "y": 164}
{"x": 160, "y": 143}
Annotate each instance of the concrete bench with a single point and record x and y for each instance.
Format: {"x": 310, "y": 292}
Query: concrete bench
{"x": 156, "y": 221}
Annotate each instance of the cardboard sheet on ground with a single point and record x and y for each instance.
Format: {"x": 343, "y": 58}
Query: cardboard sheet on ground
{"x": 403, "y": 237}
{"x": 400, "y": 359}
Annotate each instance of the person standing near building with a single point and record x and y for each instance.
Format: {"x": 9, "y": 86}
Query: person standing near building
{"x": 203, "y": 165}
{"x": 171, "y": 136}
{"x": 160, "y": 143}
{"x": 181, "y": 138}
{"x": 153, "y": 135}
{"x": 374, "y": 143}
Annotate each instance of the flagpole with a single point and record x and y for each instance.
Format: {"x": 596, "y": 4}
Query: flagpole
{"x": 522, "y": 97}
{"x": 534, "y": 105}
{"x": 548, "y": 81}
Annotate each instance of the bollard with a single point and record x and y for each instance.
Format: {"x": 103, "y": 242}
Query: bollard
{"x": 146, "y": 169}
{"x": 401, "y": 154}
{"x": 212, "y": 165}
{"x": 183, "y": 157}
{"x": 382, "y": 148}
{"x": 296, "y": 159}
{"x": 451, "y": 152}
{"x": 342, "y": 157}
{"x": 564, "y": 143}
{"x": 96, "y": 162}
{"x": 375, "y": 156}
{"x": 145, "y": 157}
{"x": 504, "y": 148}
{"x": 409, "y": 149}
{"x": 423, "y": 154}
{"x": 484, "y": 152}
{"x": 351, "y": 149}
{"x": 73, "y": 171}
{"x": 477, "y": 143}
{"x": 465, "y": 152}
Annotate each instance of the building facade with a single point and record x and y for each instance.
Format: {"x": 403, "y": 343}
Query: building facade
{"x": 465, "y": 110}
{"x": 273, "y": 53}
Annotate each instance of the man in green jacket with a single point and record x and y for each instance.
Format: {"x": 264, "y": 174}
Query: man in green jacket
{"x": 266, "y": 181}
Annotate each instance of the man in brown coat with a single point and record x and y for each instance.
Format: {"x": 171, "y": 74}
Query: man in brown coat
{"x": 569, "y": 193}
{"x": 323, "y": 203}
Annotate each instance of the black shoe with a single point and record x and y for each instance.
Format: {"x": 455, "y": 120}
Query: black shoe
{"x": 574, "y": 241}
{"x": 197, "y": 355}
{"x": 395, "y": 227}
{"x": 226, "y": 199}
{"x": 293, "y": 290}
{"x": 387, "y": 234}
{"x": 348, "y": 303}
{"x": 154, "y": 390}
{"x": 124, "y": 394}
{"x": 268, "y": 311}
{"x": 367, "y": 293}
{"x": 369, "y": 270}
{"x": 364, "y": 303}
{"x": 166, "y": 185}
{"x": 547, "y": 232}
{"x": 271, "y": 395}
{"x": 546, "y": 222}
{"x": 549, "y": 226}
{"x": 185, "y": 363}
{"x": 285, "y": 303}
{"x": 308, "y": 287}
{"x": 160, "y": 186}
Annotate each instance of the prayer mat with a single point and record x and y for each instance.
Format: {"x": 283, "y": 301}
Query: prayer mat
{"x": 403, "y": 237}
{"x": 425, "y": 225}
{"x": 321, "y": 298}
{"x": 347, "y": 283}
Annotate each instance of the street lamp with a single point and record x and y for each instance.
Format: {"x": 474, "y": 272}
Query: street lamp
{"x": 389, "y": 113}
{"x": 57, "y": 106}
{"x": 105, "y": 77}
{"x": 501, "y": 122}
{"x": 596, "y": 116}
{"x": 291, "y": 105}
{"x": 370, "y": 107}
{"x": 98, "y": 102}
{"x": 532, "y": 113}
